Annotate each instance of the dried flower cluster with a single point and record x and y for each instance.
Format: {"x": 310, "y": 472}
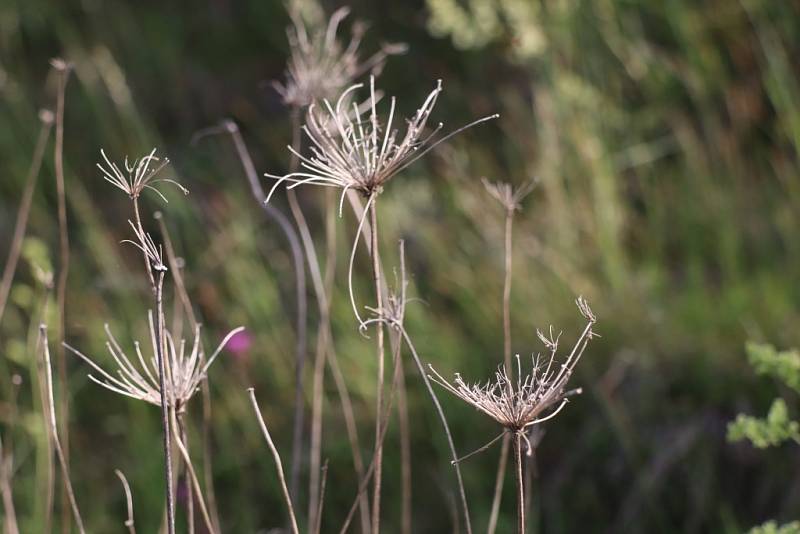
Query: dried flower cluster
{"x": 139, "y": 175}
{"x": 320, "y": 67}
{"x": 354, "y": 152}
{"x": 185, "y": 371}
{"x": 535, "y": 398}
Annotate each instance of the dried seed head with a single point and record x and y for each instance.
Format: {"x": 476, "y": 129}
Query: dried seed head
{"x": 506, "y": 195}
{"x": 532, "y": 399}
{"x": 320, "y": 67}
{"x": 139, "y": 175}
{"x": 145, "y": 243}
{"x": 352, "y": 151}
{"x": 138, "y": 378}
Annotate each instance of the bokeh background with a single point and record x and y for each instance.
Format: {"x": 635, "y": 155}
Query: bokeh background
{"x": 664, "y": 136}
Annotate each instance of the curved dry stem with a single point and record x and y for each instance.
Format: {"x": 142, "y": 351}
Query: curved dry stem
{"x": 129, "y": 524}
{"x": 277, "y": 457}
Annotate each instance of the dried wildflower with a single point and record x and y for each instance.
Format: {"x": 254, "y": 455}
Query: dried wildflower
{"x": 145, "y": 243}
{"x": 506, "y": 195}
{"x": 184, "y": 373}
{"x": 535, "y": 398}
{"x": 140, "y": 175}
{"x": 320, "y": 66}
{"x": 354, "y": 152}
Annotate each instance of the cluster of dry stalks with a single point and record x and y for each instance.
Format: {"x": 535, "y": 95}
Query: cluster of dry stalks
{"x": 350, "y": 149}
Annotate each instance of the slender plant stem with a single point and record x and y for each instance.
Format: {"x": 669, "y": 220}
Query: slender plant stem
{"x": 183, "y": 297}
{"x": 507, "y": 293}
{"x": 24, "y": 210}
{"x": 51, "y": 414}
{"x": 503, "y": 462}
{"x": 322, "y": 485}
{"x": 63, "y": 70}
{"x": 162, "y": 375}
{"x": 315, "y": 449}
{"x": 376, "y": 273}
{"x": 518, "y": 464}
{"x": 500, "y": 478}
{"x": 405, "y": 452}
{"x": 300, "y": 286}
{"x": 6, "y": 468}
{"x": 297, "y": 253}
{"x": 299, "y": 412}
{"x": 195, "y": 482}
{"x": 129, "y": 524}
{"x": 277, "y": 457}
{"x": 445, "y": 426}
{"x": 182, "y": 439}
{"x": 384, "y": 425}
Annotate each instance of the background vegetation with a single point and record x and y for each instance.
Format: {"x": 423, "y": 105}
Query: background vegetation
{"x": 664, "y": 135}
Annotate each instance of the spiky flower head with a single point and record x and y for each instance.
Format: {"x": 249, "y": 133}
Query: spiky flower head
{"x": 138, "y": 378}
{"x": 320, "y": 66}
{"x": 353, "y": 151}
{"x": 507, "y": 195}
{"x": 138, "y": 176}
{"x": 531, "y": 399}
{"x": 145, "y": 243}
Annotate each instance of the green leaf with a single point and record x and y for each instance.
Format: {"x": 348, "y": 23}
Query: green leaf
{"x": 785, "y": 366}
{"x": 769, "y": 432}
{"x": 772, "y": 527}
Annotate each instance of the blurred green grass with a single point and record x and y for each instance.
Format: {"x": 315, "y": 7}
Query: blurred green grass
{"x": 665, "y": 137}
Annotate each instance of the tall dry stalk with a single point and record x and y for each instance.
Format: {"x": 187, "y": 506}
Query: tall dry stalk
{"x": 50, "y": 415}
{"x": 510, "y": 200}
{"x": 377, "y": 278}
{"x": 24, "y": 210}
{"x": 277, "y": 458}
{"x": 10, "y": 523}
{"x": 62, "y": 69}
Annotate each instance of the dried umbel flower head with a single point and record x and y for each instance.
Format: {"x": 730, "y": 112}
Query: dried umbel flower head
{"x": 519, "y": 404}
{"x": 139, "y": 175}
{"x": 320, "y": 66}
{"x": 151, "y": 251}
{"x": 350, "y": 151}
{"x": 184, "y": 372}
{"x": 509, "y": 197}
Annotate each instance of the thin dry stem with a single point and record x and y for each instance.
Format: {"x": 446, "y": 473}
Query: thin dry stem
{"x": 167, "y": 431}
{"x": 21, "y": 224}
{"x": 310, "y": 253}
{"x": 518, "y": 464}
{"x": 129, "y": 524}
{"x": 378, "y": 475}
{"x": 63, "y": 69}
{"x": 192, "y": 474}
{"x": 277, "y": 457}
{"x": 405, "y": 452}
{"x": 50, "y": 410}
{"x": 384, "y": 426}
{"x": 500, "y": 478}
{"x": 322, "y": 486}
{"x": 6, "y": 469}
